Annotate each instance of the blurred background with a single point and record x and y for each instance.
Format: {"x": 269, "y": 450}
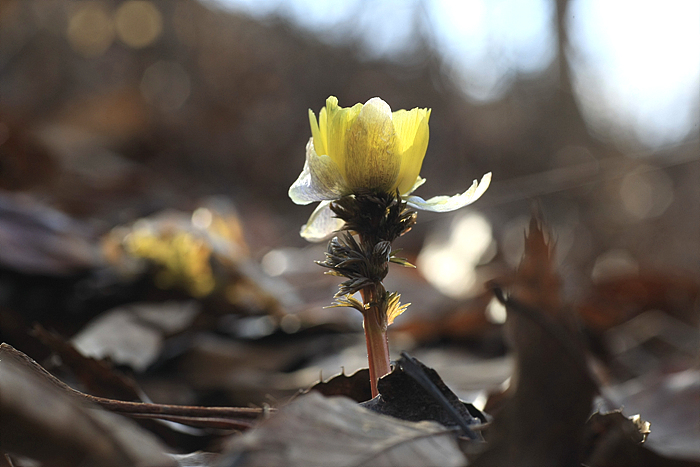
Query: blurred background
{"x": 146, "y": 150}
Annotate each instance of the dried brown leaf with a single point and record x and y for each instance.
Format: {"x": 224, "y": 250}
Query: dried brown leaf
{"x": 541, "y": 421}
{"x": 97, "y": 376}
{"x": 613, "y": 440}
{"x": 39, "y": 421}
{"x": 402, "y": 394}
{"x": 133, "y": 334}
{"x": 239, "y": 418}
{"x": 318, "y": 431}
{"x": 38, "y": 239}
{"x": 616, "y": 300}
{"x": 196, "y": 459}
{"x": 355, "y": 386}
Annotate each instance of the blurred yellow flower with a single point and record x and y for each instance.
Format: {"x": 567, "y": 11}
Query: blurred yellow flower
{"x": 182, "y": 259}
{"x": 367, "y": 149}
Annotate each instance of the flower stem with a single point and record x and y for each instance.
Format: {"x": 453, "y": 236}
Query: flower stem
{"x": 375, "y": 324}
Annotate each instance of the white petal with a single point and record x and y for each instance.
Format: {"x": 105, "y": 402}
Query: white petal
{"x": 451, "y": 203}
{"x": 319, "y": 180}
{"x": 321, "y": 223}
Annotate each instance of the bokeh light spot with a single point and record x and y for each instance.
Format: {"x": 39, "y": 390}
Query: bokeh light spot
{"x": 290, "y": 324}
{"x": 138, "y": 23}
{"x": 275, "y": 263}
{"x": 449, "y": 264}
{"x": 90, "y": 30}
{"x": 166, "y": 85}
{"x": 646, "y": 192}
{"x": 202, "y": 218}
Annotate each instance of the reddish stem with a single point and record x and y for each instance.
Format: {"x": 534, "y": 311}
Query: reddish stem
{"x": 375, "y": 325}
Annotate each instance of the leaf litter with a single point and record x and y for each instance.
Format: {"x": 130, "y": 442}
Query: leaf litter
{"x": 547, "y": 416}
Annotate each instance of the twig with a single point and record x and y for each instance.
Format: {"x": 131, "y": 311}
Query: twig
{"x": 237, "y": 418}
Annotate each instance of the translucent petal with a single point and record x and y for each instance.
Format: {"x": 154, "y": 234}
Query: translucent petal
{"x": 412, "y": 130}
{"x": 321, "y": 223}
{"x": 419, "y": 181}
{"x": 406, "y": 124}
{"x": 323, "y": 128}
{"x": 319, "y": 180}
{"x": 338, "y": 122}
{"x": 372, "y": 158}
{"x": 451, "y": 203}
{"x": 319, "y": 138}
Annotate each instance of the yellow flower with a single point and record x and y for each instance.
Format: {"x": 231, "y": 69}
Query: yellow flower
{"x": 367, "y": 148}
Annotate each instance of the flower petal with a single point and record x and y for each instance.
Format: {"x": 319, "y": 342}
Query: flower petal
{"x": 451, "y": 203}
{"x": 372, "y": 158}
{"x": 337, "y": 123}
{"x": 319, "y": 180}
{"x": 318, "y": 134}
{"x": 419, "y": 181}
{"x": 412, "y": 133}
{"x": 321, "y": 223}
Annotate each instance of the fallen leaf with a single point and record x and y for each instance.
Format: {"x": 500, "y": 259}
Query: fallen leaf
{"x": 401, "y": 395}
{"x": 317, "y": 431}
{"x": 618, "y": 299}
{"x": 97, "y": 376}
{"x": 356, "y": 386}
{"x": 39, "y": 421}
{"x": 38, "y": 239}
{"x": 237, "y": 418}
{"x": 26, "y": 162}
{"x": 541, "y": 421}
{"x": 670, "y": 401}
{"x": 613, "y": 440}
{"x": 134, "y": 334}
{"x": 464, "y": 321}
{"x": 196, "y": 459}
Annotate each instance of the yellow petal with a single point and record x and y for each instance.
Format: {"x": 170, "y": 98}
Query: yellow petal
{"x": 318, "y": 137}
{"x": 413, "y": 134}
{"x": 406, "y": 124}
{"x": 323, "y": 128}
{"x": 337, "y": 123}
{"x": 372, "y": 160}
